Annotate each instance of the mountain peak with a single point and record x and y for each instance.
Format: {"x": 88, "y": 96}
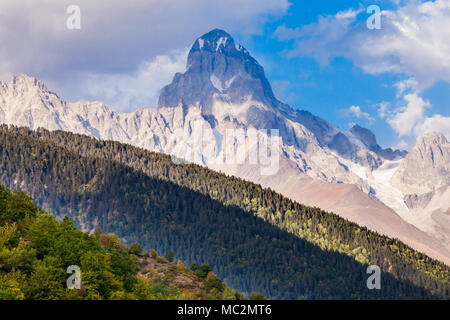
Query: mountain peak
{"x": 433, "y": 138}
{"x": 433, "y": 147}
{"x": 25, "y": 82}
{"x": 217, "y": 40}
{"x": 426, "y": 167}
{"x": 365, "y": 135}
{"x": 368, "y": 138}
{"x": 217, "y": 68}
{"x": 214, "y": 33}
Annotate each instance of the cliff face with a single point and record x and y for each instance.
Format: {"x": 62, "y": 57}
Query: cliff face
{"x": 427, "y": 166}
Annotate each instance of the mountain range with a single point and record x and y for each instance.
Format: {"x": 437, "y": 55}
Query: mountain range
{"x": 400, "y": 194}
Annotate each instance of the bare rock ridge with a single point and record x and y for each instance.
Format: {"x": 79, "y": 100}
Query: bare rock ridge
{"x": 370, "y": 141}
{"x": 426, "y": 167}
{"x": 423, "y": 177}
{"x": 219, "y": 70}
{"x": 217, "y": 66}
{"x": 224, "y": 87}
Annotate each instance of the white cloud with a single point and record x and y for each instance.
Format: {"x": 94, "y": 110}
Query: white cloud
{"x": 383, "y": 109}
{"x": 410, "y": 119}
{"x": 437, "y": 123}
{"x": 406, "y": 85}
{"x": 319, "y": 40}
{"x": 406, "y": 118}
{"x": 413, "y": 41}
{"x": 356, "y": 111}
{"x": 402, "y": 145}
{"x": 139, "y": 89}
{"x": 115, "y": 38}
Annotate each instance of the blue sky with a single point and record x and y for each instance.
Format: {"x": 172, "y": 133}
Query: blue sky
{"x": 330, "y": 90}
{"x": 319, "y": 55}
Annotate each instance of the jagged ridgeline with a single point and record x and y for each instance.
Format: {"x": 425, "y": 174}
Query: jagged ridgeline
{"x": 253, "y": 238}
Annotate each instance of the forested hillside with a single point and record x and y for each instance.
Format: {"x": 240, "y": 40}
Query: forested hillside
{"x": 36, "y": 250}
{"x": 253, "y": 238}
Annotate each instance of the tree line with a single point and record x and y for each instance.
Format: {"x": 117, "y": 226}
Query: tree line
{"x": 253, "y": 238}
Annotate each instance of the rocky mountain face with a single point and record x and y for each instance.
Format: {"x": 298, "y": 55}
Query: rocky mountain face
{"x": 427, "y": 167}
{"x": 217, "y": 68}
{"x": 225, "y": 90}
{"x": 423, "y": 177}
{"x": 370, "y": 142}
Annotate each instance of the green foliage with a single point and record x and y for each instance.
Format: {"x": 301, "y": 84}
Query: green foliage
{"x": 153, "y": 253}
{"x": 212, "y": 282}
{"x": 34, "y": 265}
{"x": 203, "y": 271}
{"x": 257, "y": 296}
{"x": 98, "y": 232}
{"x": 254, "y": 238}
{"x": 10, "y": 286}
{"x": 14, "y": 206}
{"x": 135, "y": 249}
{"x": 193, "y": 267}
{"x": 170, "y": 256}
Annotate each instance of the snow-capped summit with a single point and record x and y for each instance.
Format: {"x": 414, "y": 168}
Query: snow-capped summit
{"x": 25, "y": 86}
{"x": 229, "y": 85}
{"x": 27, "y": 101}
{"x": 23, "y": 82}
{"x": 219, "y": 69}
{"x": 216, "y": 40}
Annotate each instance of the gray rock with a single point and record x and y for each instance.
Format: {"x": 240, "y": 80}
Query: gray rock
{"x": 342, "y": 144}
{"x": 370, "y": 141}
{"x": 414, "y": 201}
{"x": 426, "y": 167}
{"x": 217, "y": 66}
